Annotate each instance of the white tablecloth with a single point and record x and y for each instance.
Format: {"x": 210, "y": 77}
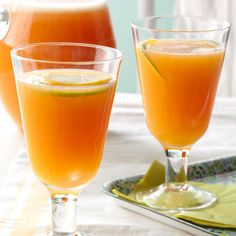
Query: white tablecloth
{"x": 129, "y": 150}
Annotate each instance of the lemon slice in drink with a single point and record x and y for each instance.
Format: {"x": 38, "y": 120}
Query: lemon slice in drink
{"x": 69, "y": 82}
{"x": 147, "y": 48}
{"x": 74, "y": 78}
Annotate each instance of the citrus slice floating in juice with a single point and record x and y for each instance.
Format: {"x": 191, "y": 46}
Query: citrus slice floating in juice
{"x": 75, "y": 78}
{"x": 70, "y": 82}
{"x": 147, "y": 47}
{"x": 153, "y": 48}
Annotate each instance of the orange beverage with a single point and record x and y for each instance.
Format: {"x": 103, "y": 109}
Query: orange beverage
{"x": 65, "y": 116}
{"x": 179, "y": 79}
{"x": 50, "y": 21}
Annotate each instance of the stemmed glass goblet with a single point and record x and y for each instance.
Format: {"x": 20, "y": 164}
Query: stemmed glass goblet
{"x": 179, "y": 62}
{"x": 66, "y": 92}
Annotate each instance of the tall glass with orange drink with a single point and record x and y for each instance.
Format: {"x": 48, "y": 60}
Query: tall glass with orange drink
{"x": 32, "y": 21}
{"x": 65, "y": 105}
{"x": 179, "y": 62}
{"x": 174, "y": 120}
{"x": 78, "y": 116}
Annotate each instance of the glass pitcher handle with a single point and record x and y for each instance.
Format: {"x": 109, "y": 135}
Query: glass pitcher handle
{"x": 4, "y": 21}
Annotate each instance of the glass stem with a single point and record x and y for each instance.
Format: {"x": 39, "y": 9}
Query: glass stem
{"x": 64, "y": 214}
{"x": 177, "y": 166}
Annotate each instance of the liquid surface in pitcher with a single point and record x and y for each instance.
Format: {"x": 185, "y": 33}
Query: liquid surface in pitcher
{"x": 49, "y": 21}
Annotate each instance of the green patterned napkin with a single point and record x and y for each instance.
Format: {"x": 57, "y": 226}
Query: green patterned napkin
{"x": 155, "y": 176}
{"x": 222, "y": 214}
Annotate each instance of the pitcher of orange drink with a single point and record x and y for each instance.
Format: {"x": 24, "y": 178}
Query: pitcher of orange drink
{"x": 28, "y": 21}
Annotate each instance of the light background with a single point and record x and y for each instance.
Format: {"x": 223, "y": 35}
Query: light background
{"x": 122, "y": 13}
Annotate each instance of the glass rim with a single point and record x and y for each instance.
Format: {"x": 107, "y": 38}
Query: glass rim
{"x": 225, "y": 25}
{"x": 117, "y": 54}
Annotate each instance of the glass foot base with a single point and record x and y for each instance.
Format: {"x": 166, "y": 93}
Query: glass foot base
{"x": 173, "y": 197}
